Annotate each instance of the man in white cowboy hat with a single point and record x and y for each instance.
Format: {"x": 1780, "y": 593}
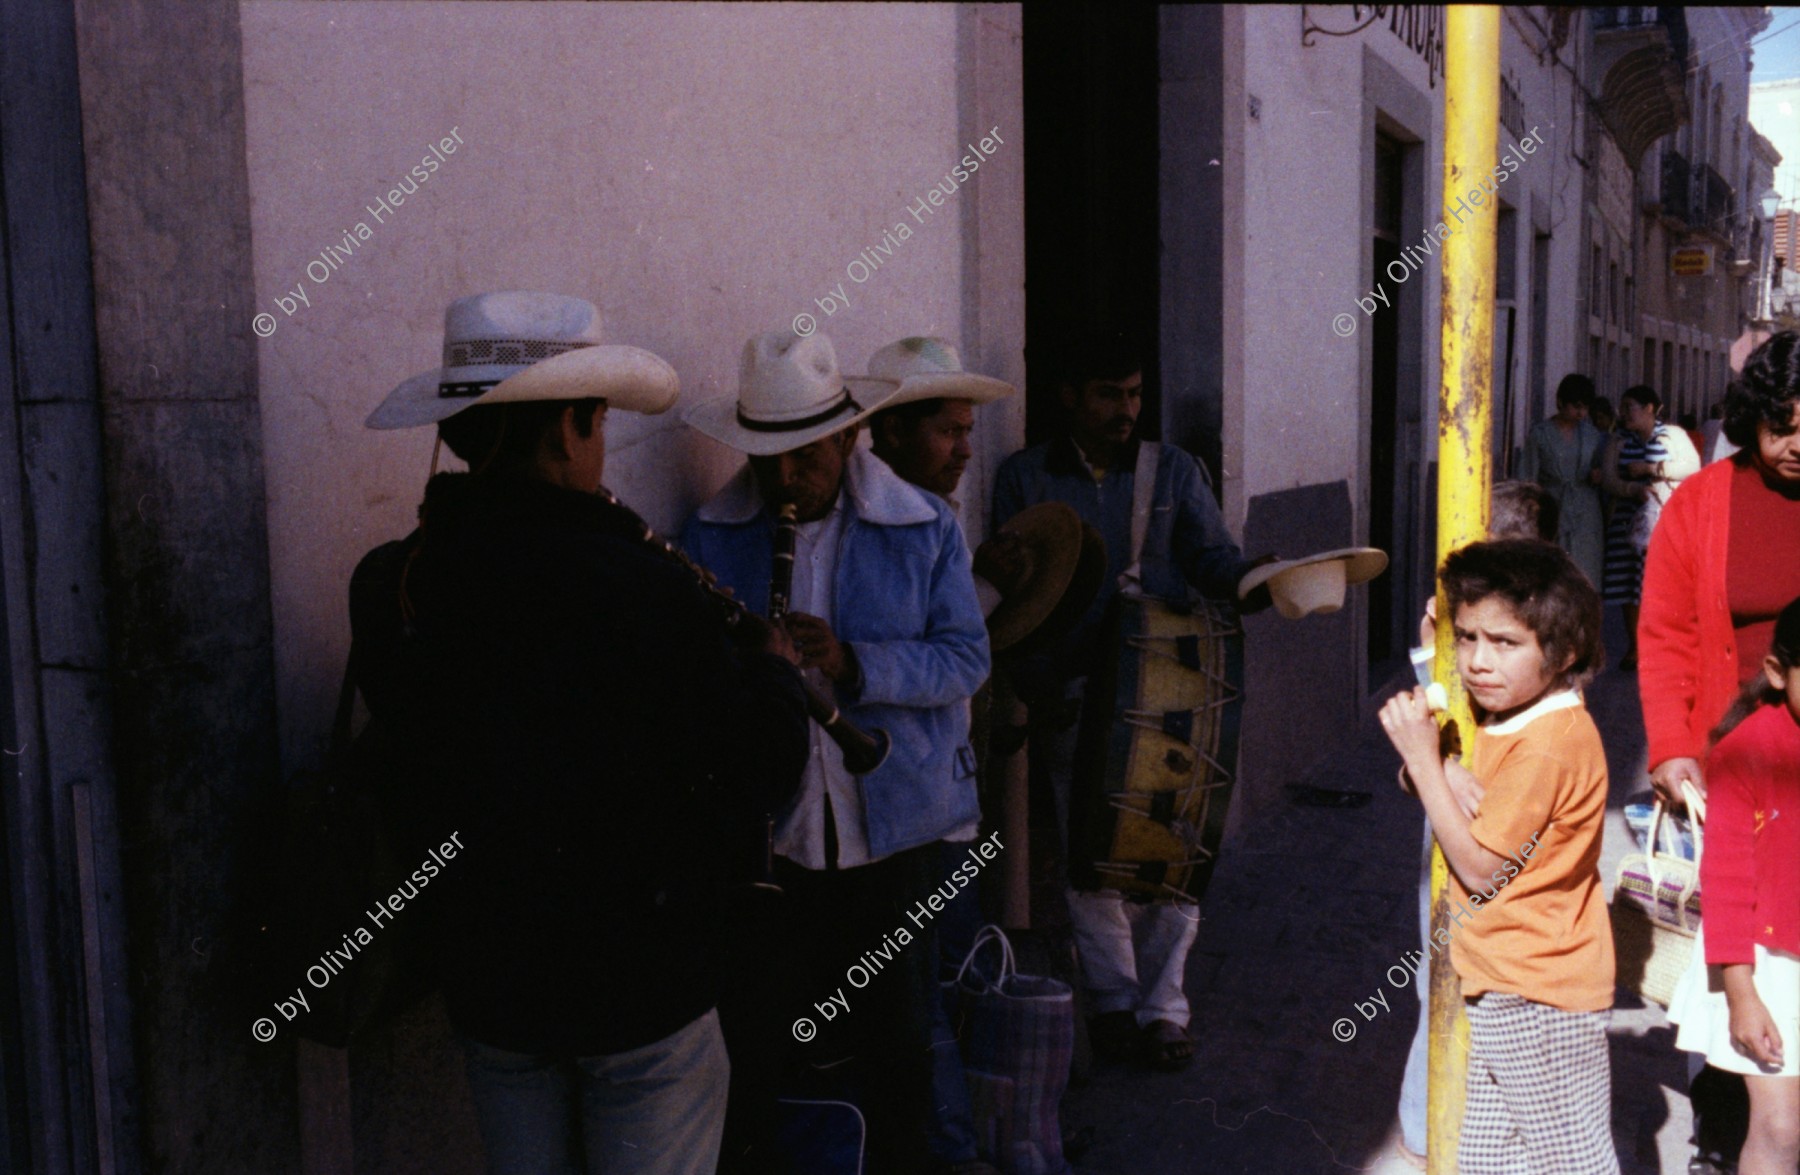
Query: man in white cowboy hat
{"x": 1135, "y": 991}
{"x": 922, "y": 432}
{"x": 570, "y": 705}
{"x": 885, "y": 616}
{"x": 923, "y": 429}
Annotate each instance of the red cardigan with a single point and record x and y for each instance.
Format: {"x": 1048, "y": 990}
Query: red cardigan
{"x": 1750, "y": 870}
{"x": 1687, "y": 650}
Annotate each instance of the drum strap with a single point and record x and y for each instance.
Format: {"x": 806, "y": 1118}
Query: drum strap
{"x": 1143, "y": 495}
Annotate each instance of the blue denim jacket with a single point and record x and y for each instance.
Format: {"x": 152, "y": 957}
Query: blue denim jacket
{"x": 904, "y": 600}
{"x": 1185, "y": 544}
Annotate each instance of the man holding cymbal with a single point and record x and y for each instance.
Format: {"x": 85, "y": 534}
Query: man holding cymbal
{"x": 1165, "y": 542}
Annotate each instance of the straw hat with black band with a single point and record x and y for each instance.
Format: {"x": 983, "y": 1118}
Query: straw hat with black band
{"x": 519, "y": 345}
{"x": 790, "y": 394}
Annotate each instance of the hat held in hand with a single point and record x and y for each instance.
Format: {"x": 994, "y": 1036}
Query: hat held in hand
{"x": 1316, "y": 583}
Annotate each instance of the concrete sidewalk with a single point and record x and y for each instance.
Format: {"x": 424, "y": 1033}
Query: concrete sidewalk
{"x": 1308, "y": 910}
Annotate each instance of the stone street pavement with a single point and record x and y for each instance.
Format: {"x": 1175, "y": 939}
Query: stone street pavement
{"x": 1309, "y": 909}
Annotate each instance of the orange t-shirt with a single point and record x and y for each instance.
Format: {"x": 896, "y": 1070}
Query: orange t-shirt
{"x": 1539, "y": 928}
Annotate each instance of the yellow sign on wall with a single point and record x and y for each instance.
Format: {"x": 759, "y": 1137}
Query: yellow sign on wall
{"x": 1691, "y": 261}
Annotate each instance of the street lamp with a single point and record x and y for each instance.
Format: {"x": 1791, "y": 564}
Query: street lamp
{"x": 1771, "y": 206}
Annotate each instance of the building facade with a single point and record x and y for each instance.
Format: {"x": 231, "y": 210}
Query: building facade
{"x": 1699, "y": 210}
{"x": 209, "y": 287}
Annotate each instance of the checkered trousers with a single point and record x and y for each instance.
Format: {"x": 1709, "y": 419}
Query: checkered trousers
{"x": 1540, "y": 1091}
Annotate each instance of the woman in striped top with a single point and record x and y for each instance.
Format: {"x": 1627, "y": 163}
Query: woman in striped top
{"x": 1646, "y": 460}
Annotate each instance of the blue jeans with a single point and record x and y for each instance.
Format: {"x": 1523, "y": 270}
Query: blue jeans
{"x": 655, "y": 1110}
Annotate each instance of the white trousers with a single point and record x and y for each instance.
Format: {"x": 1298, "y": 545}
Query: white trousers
{"x": 1133, "y": 954}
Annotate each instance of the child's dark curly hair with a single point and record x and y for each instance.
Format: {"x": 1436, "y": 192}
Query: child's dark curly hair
{"x": 1547, "y": 592}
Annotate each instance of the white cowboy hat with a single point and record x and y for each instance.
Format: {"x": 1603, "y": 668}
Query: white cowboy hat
{"x": 522, "y": 345}
{"x": 1316, "y": 583}
{"x": 790, "y": 393}
{"x": 928, "y": 369}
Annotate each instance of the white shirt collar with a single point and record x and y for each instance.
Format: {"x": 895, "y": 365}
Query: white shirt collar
{"x": 1550, "y": 702}
{"x": 879, "y": 494}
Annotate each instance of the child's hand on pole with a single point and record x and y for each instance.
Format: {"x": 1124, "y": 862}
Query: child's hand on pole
{"x": 1406, "y": 717}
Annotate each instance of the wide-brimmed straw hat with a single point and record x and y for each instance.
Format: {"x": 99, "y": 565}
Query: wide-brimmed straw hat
{"x": 790, "y": 393}
{"x": 930, "y": 369}
{"x": 1316, "y": 583}
{"x": 524, "y": 345}
{"x": 1045, "y": 566}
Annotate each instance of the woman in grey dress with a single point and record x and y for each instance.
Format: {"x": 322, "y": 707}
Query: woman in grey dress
{"x": 1561, "y": 455}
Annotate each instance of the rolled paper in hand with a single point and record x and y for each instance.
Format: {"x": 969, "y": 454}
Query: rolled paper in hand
{"x": 1436, "y": 697}
{"x": 1423, "y": 658}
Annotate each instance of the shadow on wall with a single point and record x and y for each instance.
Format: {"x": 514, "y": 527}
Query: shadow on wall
{"x": 1301, "y": 687}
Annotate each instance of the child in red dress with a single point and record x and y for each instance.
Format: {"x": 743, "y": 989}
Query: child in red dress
{"x": 1751, "y": 884}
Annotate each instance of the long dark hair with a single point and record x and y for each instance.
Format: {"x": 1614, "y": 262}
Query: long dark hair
{"x": 1757, "y": 692}
{"x": 1764, "y": 395}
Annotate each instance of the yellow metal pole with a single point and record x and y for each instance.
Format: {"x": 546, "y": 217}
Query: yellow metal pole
{"x": 1465, "y": 421}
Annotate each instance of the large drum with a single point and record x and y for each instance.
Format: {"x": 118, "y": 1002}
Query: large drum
{"x": 1157, "y": 753}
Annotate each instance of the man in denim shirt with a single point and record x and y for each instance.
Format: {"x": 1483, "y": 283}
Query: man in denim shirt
{"x": 1135, "y": 990}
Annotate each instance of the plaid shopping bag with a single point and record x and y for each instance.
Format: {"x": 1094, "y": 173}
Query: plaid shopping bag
{"x": 1656, "y": 909}
{"x": 1018, "y": 1039}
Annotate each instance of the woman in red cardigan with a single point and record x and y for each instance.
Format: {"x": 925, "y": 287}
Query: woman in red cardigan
{"x": 1724, "y": 559}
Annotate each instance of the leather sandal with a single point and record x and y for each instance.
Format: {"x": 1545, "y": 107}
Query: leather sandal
{"x": 1167, "y": 1046}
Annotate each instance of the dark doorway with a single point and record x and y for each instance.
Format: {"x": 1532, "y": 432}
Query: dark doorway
{"x": 1091, "y": 177}
{"x": 15, "y": 1139}
{"x": 1384, "y": 398}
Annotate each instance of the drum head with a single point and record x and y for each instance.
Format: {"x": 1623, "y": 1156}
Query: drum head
{"x": 1157, "y": 754}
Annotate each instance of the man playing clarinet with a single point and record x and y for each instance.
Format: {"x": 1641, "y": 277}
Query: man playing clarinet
{"x": 883, "y": 611}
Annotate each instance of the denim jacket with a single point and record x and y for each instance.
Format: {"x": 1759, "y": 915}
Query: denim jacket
{"x": 1186, "y": 542}
{"x": 904, "y": 601}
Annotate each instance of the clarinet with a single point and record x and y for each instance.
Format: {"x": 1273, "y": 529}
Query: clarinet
{"x": 781, "y": 575}
{"x": 781, "y": 587}
{"x": 864, "y": 750}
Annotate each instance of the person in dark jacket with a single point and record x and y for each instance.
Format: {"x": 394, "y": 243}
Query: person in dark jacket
{"x": 574, "y": 707}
